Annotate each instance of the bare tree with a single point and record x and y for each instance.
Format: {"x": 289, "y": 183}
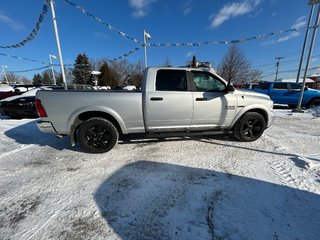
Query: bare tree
{"x": 126, "y": 72}
{"x": 235, "y": 67}
{"x": 12, "y": 78}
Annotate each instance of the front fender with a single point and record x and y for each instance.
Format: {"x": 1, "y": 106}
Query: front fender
{"x": 267, "y": 113}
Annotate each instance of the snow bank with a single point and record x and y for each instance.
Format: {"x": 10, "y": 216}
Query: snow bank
{"x": 315, "y": 111}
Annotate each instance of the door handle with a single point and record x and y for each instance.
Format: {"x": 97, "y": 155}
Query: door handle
{"x": 201, "y": 99}
{"x": 156, "y": 99}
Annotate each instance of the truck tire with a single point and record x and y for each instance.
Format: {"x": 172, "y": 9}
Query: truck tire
{"x": 314, "y": 102}
{"x": 98, "y": 135}
{"x": 249, "y": 127}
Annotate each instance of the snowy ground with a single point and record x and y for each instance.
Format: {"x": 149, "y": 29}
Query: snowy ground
{"x": 178, "y": 188}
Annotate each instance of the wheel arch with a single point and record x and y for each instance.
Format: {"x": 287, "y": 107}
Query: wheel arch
{"x": 308, "y": 105}
{"x": 259, "y": 110}
{"x": 82, "y": 116}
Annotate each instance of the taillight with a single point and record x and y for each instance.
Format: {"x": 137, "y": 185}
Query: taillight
{"x": 40, "y": 109}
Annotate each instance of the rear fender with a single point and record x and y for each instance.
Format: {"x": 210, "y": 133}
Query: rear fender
{"x": 74, "y": 121}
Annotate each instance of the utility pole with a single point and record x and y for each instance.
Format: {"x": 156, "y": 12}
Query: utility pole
{"x": 277, "y": 66}
{"x": 304, "y": 44}
{"x": 316, "y": 25}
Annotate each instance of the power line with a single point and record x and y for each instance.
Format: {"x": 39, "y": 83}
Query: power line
{"x": 289, "y": 71}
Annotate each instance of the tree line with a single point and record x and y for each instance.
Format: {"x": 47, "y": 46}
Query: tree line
{"x": 234, "y": 67}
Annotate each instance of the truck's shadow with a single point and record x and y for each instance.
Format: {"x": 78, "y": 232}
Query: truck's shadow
{"x": 29, "y": 133}
{"x": 149, "y": 200}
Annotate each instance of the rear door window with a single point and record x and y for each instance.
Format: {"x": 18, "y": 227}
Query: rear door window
{"x": 294, "y": 86}
{"x": 171, "y": 80}
{"x": 280, "y": 86}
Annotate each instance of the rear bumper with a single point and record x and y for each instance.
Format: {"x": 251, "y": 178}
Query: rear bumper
{"x": 46, "y": 127}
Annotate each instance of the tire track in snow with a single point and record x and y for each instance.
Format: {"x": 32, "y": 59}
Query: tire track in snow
{"x": 295, "y": 177}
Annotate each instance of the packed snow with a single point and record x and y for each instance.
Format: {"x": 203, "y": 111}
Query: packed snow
{"x": 175, "y": 188}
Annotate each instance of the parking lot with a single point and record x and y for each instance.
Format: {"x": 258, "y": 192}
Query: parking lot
{"x": 211, "y": 187}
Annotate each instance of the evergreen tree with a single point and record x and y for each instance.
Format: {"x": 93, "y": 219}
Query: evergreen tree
{"x": 82, "y": 70}
{"x": 47, "y": 77}
{"x": 107, "y": 78}
{"x": 37, "y": 79}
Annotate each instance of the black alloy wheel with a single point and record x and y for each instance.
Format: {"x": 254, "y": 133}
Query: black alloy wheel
{"x": 98, "y": 135}
{"x": 250, "y": 127}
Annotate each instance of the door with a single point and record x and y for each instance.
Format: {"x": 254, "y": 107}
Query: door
{"x": 213, "y": 106}
{"x": 285, "y": 93}
{"x": 169, "y": 105}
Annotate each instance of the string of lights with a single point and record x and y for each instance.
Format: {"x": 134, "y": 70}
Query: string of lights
{"x": 29, "y": 70}
{"x": 122, "y": 34}
{"x": 34, "y": 31}
{"x": 22, "y": 58}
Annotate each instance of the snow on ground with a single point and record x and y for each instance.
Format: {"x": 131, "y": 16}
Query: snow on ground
{"x": 175, "y": 188}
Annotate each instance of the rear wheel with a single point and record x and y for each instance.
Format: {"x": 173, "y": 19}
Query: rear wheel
{"x": 292, "y": 106}
{"x": 249, "y": 127}
{"x": 98, "y": 135}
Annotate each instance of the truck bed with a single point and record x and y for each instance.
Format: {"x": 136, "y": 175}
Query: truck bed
{"x": 127, "y": 105}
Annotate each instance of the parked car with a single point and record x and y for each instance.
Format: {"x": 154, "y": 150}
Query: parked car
{"x": 289, "y": 93}
{"x": 125, "y": 88}
{"x": 20, "y": 106}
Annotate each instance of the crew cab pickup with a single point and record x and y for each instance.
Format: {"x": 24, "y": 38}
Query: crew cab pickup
{"x": 171, "y": 100}
{"x": 289, "y": 93}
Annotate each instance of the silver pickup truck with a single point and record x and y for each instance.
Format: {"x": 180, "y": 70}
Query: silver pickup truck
{"x": 171, "y": 100}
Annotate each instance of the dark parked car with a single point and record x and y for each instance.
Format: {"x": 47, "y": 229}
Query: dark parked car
{"x": 21, "y": 106}
{"x": 13, "y": 90}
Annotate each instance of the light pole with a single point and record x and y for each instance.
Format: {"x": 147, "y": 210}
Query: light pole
{"x": 5, "y": 74}
{"x": 53, "y": 76}
{"x": 146, "y": 36}
{"x": 58, "y": 44}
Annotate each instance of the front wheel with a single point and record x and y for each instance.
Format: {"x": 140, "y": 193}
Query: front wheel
{"x": 314, "y": 103}
{"x": 98, "y": 135}
{"x": 249, "y": 127}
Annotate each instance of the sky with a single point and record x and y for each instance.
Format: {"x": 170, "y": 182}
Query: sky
{"x": 167, "y": 21}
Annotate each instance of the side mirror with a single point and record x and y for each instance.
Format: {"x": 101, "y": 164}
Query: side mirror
{"x": 230, "y": 88}
{"x": 306, "y": 88}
